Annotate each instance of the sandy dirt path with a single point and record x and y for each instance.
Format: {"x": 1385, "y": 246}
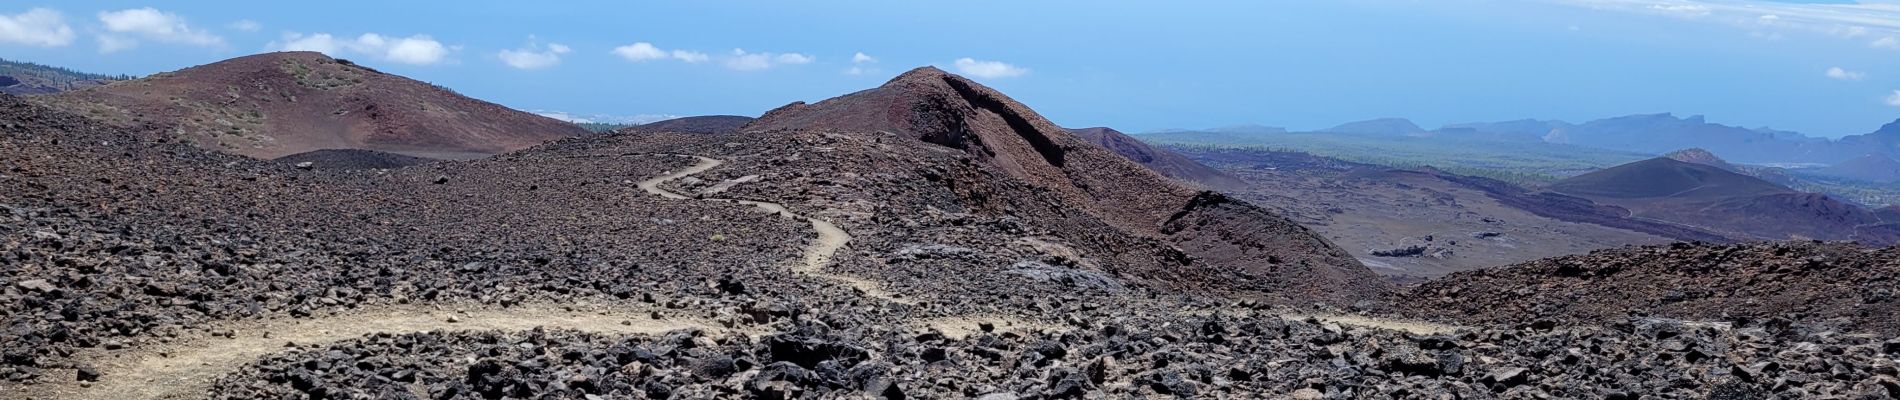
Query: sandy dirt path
{"x": 185, "y": 369}
{"x": 818, "y": 254}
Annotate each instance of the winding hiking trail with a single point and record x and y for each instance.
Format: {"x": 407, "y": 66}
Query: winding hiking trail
{"x": 817, "y": 255}
{"x": 186, "y": 368}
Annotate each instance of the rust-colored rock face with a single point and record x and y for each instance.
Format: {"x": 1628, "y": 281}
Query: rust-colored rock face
{"x": 929, "y": 106}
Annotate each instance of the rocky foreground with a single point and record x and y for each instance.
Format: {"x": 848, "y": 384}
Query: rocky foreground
{"x": 136, "y": 265}
{"x": 1836, "y": 287}
{"x": 1240, "y": 355}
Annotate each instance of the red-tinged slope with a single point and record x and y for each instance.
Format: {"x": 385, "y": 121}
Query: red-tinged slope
{"x": 276, "y": 104}
{"x": 930, "y": 107}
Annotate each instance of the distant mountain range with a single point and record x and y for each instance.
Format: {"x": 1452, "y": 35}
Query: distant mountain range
{"x": 1653, "y": 134}
{"x": 1382, "y": 126}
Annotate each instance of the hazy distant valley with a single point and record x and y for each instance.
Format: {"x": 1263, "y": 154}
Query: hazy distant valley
{"x": 1488, "y": 194}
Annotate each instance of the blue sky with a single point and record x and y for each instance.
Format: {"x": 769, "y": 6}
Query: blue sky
{"x": 1823, "y": 68}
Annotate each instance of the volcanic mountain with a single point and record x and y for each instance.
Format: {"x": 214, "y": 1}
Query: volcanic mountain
{"x": 276, "y": 104}
{"x": 697, "y": 124}
{"x": 1885, "y": 140}
{"x": 1712, "y": 198}
{"x": 1704, "y": 157}
{"x": 1164, "y": 161}
{"x": 931, "y": 108}
{"x": 1382, "y": 127}
{"x": 1774, "y": 175}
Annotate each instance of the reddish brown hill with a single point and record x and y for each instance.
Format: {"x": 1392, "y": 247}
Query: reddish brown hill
{"x": 1166, "y": 162}
{"x": 929, "y": 106}
{"x": 276, "y": 104}
{"x": 697, "y": 124}
{"x": 1711, "y": 198}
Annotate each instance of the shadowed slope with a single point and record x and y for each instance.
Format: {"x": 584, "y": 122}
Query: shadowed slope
{"x": 1163, "y": 161}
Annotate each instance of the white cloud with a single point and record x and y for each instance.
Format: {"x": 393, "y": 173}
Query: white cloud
{"x": 534, "y": 57}
{"x": 1839, "y": 19}
{"x": 415, "y": 49}
{"x": 746, "y": 61}
{"x": 321, "y": 43}
{"x": 989, "y": 69}
{"x": 1848, "y": 31}
{"x": 794, "y": 58}
{"x": 564, "y": 117}
{"x": 858, "y": 64}
{"x": 36, "y": 27}
{"x": 739, "y": 60}
{"x": 1890, "y": 43}
{"x": 605, "y": 118}
{"x": 1845, "y": 75}
{"x": 690, "y": 56}
{"x": 1894, "y": 100}
{"x": 247, "y": 25}
{"x": 418, "y": 50}
{"x": 124, "y": 29}
{"x": 1689, "y": 10}
{"x": 641, "y": 51}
